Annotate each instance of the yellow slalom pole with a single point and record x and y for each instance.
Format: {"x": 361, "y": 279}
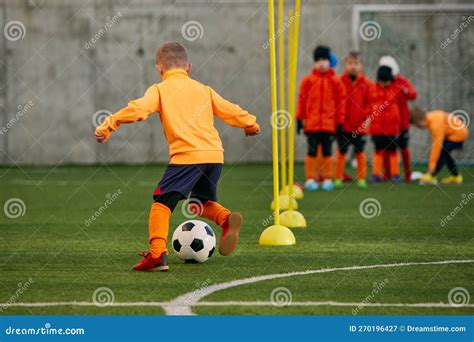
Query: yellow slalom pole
{"x": 292, "y": 218}
{"x": 274, "y": 118}
{"x": 281, "y": 87}
{"x": 293, "y": 51}
{"x": 275, "y": 235}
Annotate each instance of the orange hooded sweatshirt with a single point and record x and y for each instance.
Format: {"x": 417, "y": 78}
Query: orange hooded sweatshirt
{"x": 443, "y": 126}
{"x": 186, "y": 109}
{"x": 321, "y": 102}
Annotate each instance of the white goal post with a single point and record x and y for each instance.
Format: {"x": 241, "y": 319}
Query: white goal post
{"x": 358, "y": 10}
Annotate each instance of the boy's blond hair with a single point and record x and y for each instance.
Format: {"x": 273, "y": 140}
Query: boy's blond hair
{"x": 417, "y": 116}
{"x": 172, "y": 55}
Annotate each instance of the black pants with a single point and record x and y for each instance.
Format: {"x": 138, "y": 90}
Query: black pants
{"x": 384, "y": 142}
{"x": 317, "y": 138}
{"x": 345, "y": 139}
{"x": 403, "y": 139}
{"x": 446, "y": 157}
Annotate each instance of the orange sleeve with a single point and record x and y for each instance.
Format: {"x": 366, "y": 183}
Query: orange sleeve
{"x": 137, "y": 110}
{"x": 231, "y": 113}
{"x": 305, "y": 86}
{"x": 437, "y": 129}
{"x": 408, "y": 89}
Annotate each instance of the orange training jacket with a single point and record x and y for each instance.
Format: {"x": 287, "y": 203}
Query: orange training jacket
{"x": 443, "y": 126}
{"x": 384, "y": 117}
{"x": 408, "y": 94}
{"x": 320, "y": 102}
{"x": 186, "y": 109}
{"x": 357, "y": 103}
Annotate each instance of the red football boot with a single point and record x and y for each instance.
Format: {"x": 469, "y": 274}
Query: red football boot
{"x": 230, "y": 234}
{"x": 152, "y": 264}
{"x": 346, "y": 178}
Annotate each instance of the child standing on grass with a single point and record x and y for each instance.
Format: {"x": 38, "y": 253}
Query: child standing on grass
{"x": 448, "y": 133}
{"x": 186, "y": 109}
{"x": 320, "y": 110}
{"x": 353, "y": 130}
{"x": 385, "y": 124}
{"x": 408, "y": 93}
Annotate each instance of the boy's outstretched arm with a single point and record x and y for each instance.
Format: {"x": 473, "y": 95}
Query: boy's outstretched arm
{"x": 233, "y": 115}
{"x": 137, "y": 110}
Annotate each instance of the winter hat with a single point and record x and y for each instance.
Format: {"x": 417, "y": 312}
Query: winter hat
{"x": 390, "y": 62}
{"x": 321, "y": 52}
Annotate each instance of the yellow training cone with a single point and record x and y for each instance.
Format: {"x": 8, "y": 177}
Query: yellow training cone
{"x": 277, "y": 236}
{"x": 297, "y": 192}
{"x": 292, "y": 219}
{"x": 284, "y": 203}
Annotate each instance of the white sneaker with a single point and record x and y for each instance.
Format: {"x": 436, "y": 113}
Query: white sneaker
{"x": 311, "y": 185}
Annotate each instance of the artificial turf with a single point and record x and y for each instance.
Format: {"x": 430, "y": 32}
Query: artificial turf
{"x": 65, "y": 259}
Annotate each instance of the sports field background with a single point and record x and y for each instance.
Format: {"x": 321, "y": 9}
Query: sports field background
{"x": 61, "y": 258}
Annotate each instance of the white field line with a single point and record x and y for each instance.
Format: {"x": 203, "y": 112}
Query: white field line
{"x": 236, "y": 303}
{"x": 182, "y": 304}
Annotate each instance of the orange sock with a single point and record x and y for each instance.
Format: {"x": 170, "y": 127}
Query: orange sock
{"x": 327, "y": 167}
{"x": 361, "y": 165}
{"x": 340, "y": 163}
{"x": 158, "y": 226}
{"x": 310, "y": 166}
{"x": 394, "y": 164}
{"x": 217, "y": 213}
{"x": 319, "y": 162}
{"x": 377, "y": 163}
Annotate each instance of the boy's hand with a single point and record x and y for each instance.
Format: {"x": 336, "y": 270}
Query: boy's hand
{"x": 100, "y": 137}
{"x": 252, "y": 130}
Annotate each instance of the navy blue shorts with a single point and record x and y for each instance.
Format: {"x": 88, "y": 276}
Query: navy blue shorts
{"x": 199, "y": 180}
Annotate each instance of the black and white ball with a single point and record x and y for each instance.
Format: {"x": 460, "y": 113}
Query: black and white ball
{"x": 194, "y": 241}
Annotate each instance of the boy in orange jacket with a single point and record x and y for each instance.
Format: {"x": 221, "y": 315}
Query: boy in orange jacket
{"x": 186, "y": 109}
{"x": 320, "y": 110}
{"x": 353, "y": 131}
{"x": 385, "y": 124}
{"x": 448, "y": 133}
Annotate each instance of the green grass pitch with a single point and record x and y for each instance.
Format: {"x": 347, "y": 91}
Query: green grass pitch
{"x": 67, "y": 260}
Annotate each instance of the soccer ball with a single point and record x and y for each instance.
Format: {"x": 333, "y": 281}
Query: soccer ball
{"x": 194, "y": 241}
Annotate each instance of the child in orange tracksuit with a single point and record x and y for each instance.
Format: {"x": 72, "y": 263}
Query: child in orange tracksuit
{"x": 319, "y": 111}
{"x": 408, "y": 93}
{"x": 353, "y": 130}
{"x": 448, "y": 133}
{"x": 186, "y": 109}
{"x": 385, "y": 124}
